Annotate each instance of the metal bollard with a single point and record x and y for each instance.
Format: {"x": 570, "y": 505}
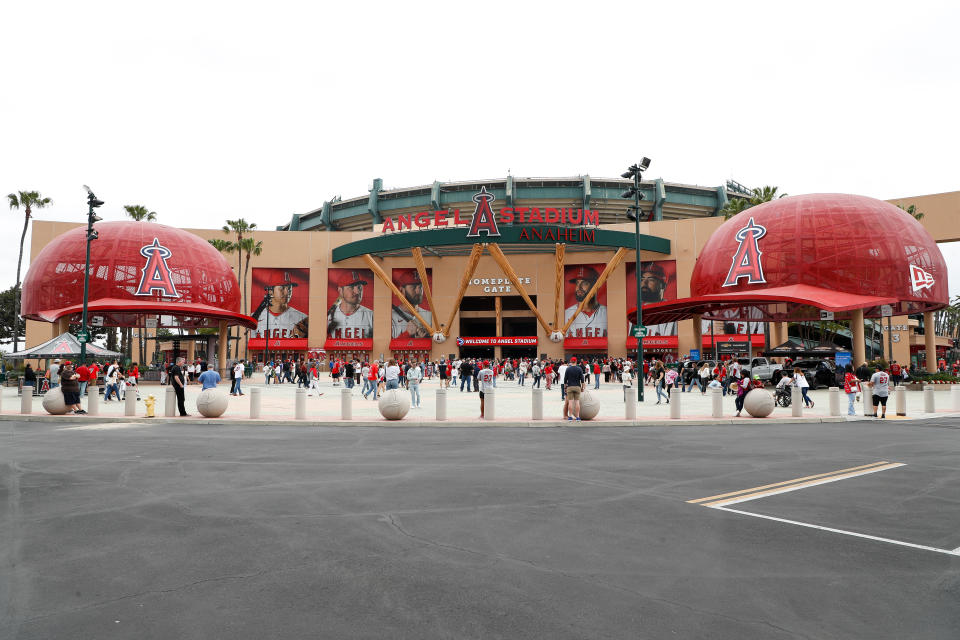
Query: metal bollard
{"x": 346, "y": 404}
{"x": 833, "y": 395}
{"x": 716, "y": 401}
{"x": 537, "y": 404}
{"x": 130, "y": 402}
{"x": 900, "y": 397}
{"x": 26, "y": 401}
{"x": 93, "y": 401}
{"x": 955, "y": 392}
{"x": 169, "y": 402}
{"x": 867, "y": 400}
{"x": 256, "y": 402}
{"x": 441, "y": 404}
{"x": 928, "y": 401}
{"x": 300, "y": 411}
{"x": 489, "y": 405}
{"x": 675, "y": 404}
{"x": 796, "y": 402}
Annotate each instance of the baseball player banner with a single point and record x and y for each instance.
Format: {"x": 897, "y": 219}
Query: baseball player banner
{"x": 404, "y": 324}
{"x": 349, "y": 304}
{"x": 658, "y": 283}
{"x": 283, "y": 312}
{"x": 592, "y": 321}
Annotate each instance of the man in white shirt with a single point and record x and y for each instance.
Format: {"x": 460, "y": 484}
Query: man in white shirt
{"x": 560, "y": 372}
{"x": 284, "y": 320}
{"x": 403, "y": 323}
{"x": 237, "y": 377}
{"x": 592, "y": 321}
{"x": 486, "y": 383}
{"x": 348, "y": 318}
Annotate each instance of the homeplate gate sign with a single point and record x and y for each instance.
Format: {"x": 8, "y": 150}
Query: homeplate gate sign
{"x": 487, "y": 230}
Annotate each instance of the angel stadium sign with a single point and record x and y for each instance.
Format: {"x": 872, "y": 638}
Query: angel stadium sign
{"x": 484, "y": 221}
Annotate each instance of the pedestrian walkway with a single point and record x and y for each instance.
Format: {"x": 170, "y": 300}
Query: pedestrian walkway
{"x": 513, "y": 407}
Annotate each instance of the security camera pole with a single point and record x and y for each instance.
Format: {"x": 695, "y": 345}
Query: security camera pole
{"x": 84, "y": 334}
{"x": 635, "y": 171}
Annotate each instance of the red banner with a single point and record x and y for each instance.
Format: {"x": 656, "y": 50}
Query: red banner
{"x": 756, "y": 339}
{"x": 650, "y": 342}
{"x": 348, "y": 344}
{"x": 411, "y": 344}
{"x": 278, "y": 344}
{"x": 584, "y": 343}
{"x": 492, "y": 341}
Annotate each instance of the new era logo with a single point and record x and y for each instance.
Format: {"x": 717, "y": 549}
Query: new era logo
{"x": 919, "y": 278}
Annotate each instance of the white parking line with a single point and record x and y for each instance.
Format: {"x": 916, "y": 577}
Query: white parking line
{"x": 954, "y": 552}
{"x": 105, "y": 426}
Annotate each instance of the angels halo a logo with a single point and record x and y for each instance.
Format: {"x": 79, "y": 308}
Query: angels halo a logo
{"x": 746, "y": 259}
{"x": 483, "y": 218}
{"x": 920, "y": 279}
{"x": 156, "y": 273}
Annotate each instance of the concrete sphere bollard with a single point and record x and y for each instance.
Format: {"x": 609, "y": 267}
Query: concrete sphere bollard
{"x": 759, "y": 403}
{"x": 589, "y": 406}
{"x": 53, "y": 402}
{"x": 212, "y": 403}
{"x": 394, "y": 405}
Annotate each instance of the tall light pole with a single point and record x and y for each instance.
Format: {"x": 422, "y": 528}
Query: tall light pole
{"x": 635, "y": 171}
{"x": 84, "y": 333}
{"x": 268, "y": 298}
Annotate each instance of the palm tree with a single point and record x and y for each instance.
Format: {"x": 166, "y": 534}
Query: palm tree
{"x": 140, "y": 213}
{"x": 249, "y": 247}
{"x": 240, "y": 228}
{"x": 912, "y": 210}
{"x": 758, "y": 195}
{"x": 28, "y": 200}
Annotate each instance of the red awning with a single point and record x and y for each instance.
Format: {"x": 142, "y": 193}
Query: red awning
{"x": 348, "y": 344}
{"x": 176, "y": 309}
{"x": 411, "y": 344}
{"x": 584, "y": 343}
{"x": 280, "y": 344}
{"x": 775, "y": 304}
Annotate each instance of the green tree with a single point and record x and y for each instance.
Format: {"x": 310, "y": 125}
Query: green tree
{"x": 140, "y": 213}
{"x": 7, "y": 329}
{"x": 28, "y": 201}
{"x": 912, "y": 210}
{"x": 759, "y": 195}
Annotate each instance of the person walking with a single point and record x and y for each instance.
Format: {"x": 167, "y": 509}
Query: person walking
{"x": 851, "y": 387}
{"x": 801, "y": 381}
{"x": 521, "y": 373}
{"x": 659, "y": 381}
{"x": 178, "y": 380}
{"x": 365, "y": 375}
{"x": 414, "y": 378}
{"x": 348, "y": 372}
{"x": 561, "y": 373}
{"x": 896, "y": 373}
{"x": 743, "y": 388}
{"x": 238, "y": 377}
{"x": 880, "y": 387}
{"x": 573, "y": 381}
{"x": 313, "y": 380}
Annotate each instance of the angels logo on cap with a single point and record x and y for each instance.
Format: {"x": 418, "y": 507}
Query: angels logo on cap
{"x": 408, "y": 277}
{"x": 350, "y": 278}
{"x": 584, "y": 272}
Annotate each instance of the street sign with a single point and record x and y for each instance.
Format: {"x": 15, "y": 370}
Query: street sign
{"x": 826, "y": 315}
{"x": 83, "y": 336}
{"x": 886, "y": 310}
{"x": 694, "y": 354}
{"x": 843, "y": 358}
{"x": 150, "y": 323}
{"x": 639, "y": 331}
{"x": 96, "y": 321}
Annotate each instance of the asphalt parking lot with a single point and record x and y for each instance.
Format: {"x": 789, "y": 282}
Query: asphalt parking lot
{"x": 844, "y": 530}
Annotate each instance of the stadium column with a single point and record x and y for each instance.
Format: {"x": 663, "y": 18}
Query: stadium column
{"x": 222, "y": 348}
{"x": 191, "y": 347}
{"x": 498, "y": 307}
{"x": 698, "y": 334}
{"x": 930, "y": 340}
{"x": 859, "y": 346}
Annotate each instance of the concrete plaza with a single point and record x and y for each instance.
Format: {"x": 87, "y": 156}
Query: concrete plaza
{"x": 513, "y": 406}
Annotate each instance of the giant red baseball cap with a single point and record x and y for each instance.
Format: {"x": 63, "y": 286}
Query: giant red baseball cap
{"x": 350, "y": 277}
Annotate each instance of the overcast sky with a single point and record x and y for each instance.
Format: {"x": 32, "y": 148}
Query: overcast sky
{"x": 204, "y": 111}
